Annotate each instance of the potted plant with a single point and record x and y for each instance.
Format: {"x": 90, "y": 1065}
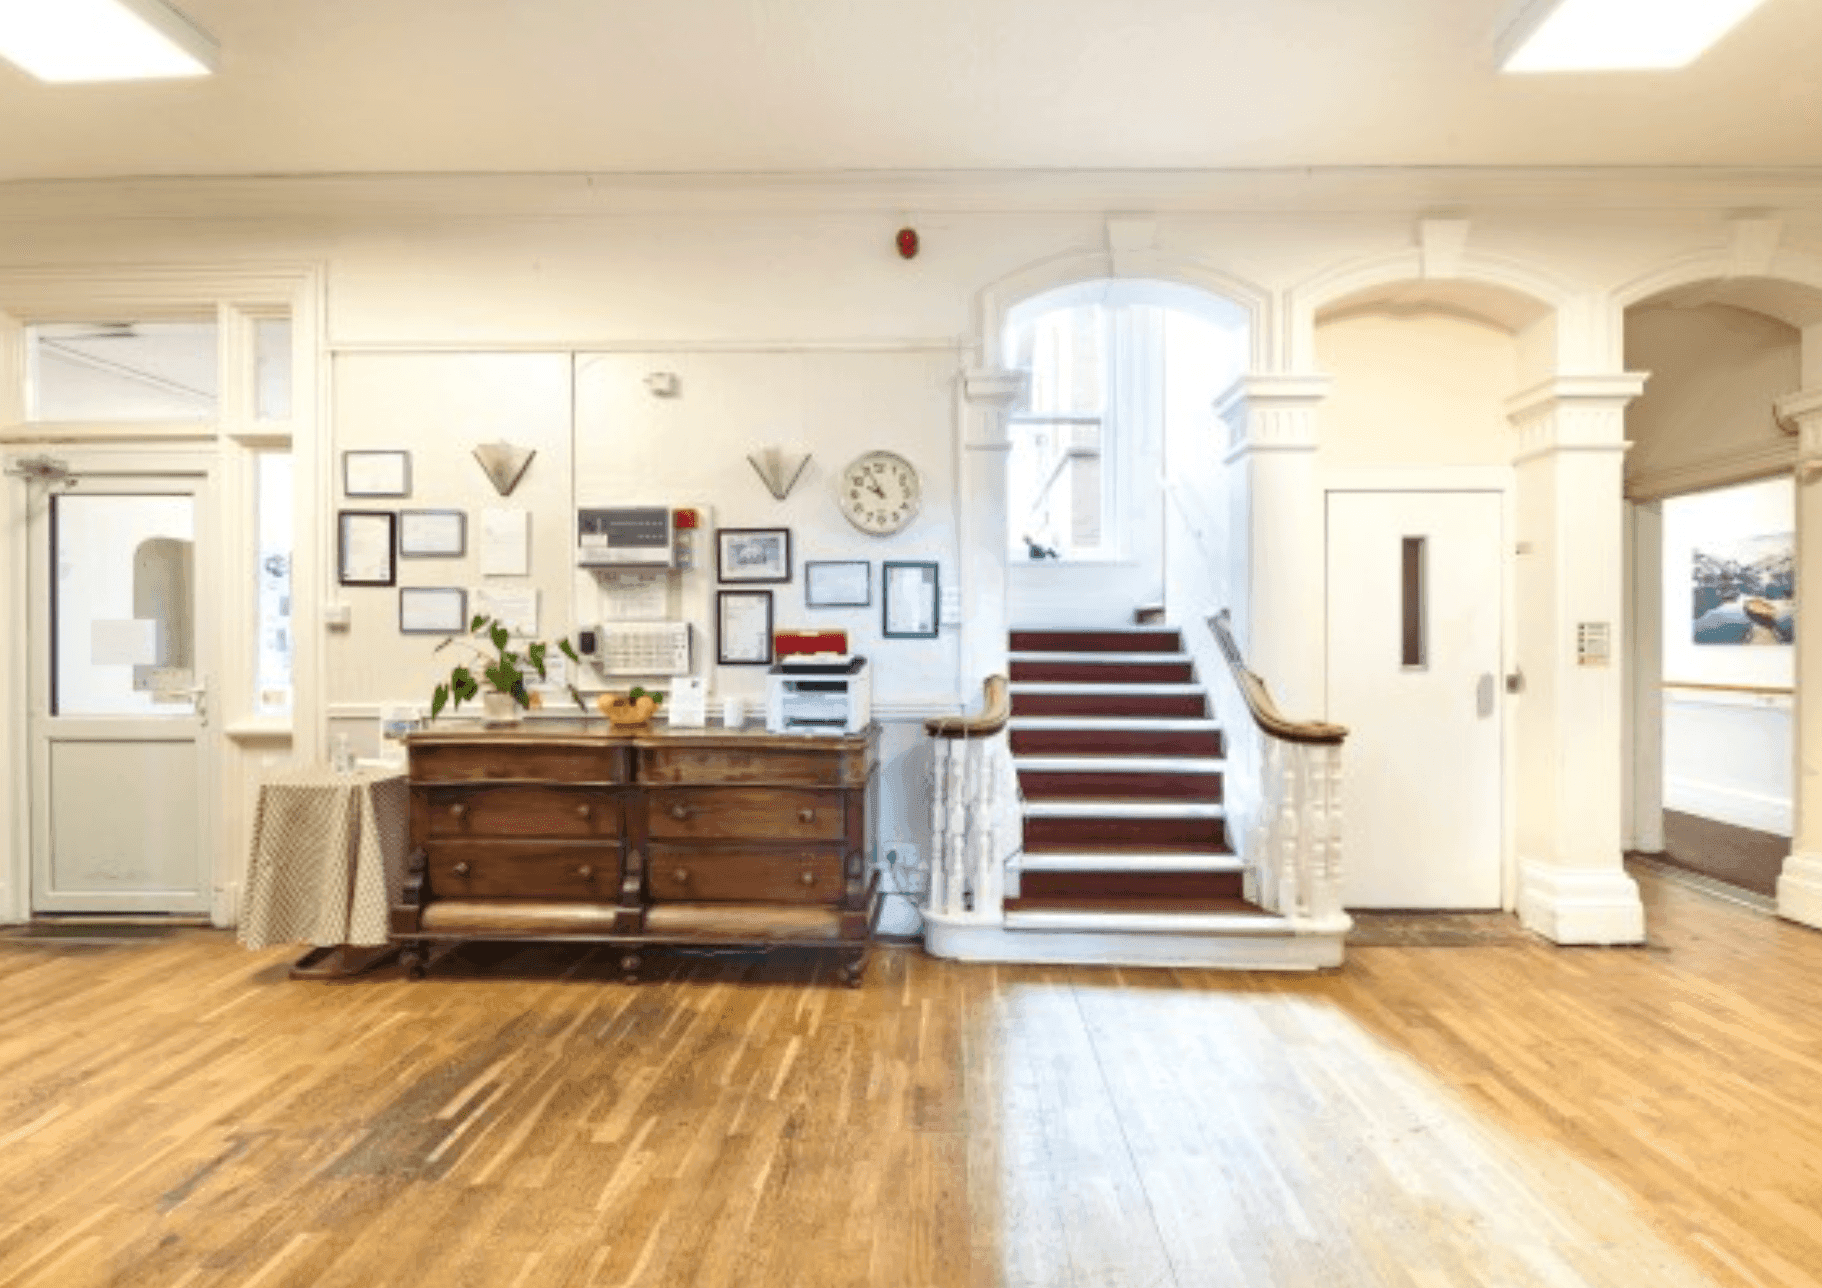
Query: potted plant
{"x": 497, "y": 677}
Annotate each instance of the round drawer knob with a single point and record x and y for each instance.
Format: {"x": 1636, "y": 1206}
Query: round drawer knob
{"x": 585, "y": 811}
{"x": 681, "y": 876}
{"x": 808, "y": 878}
{"x": 460, "y": 869}
{"x": 585, "y": 872}
{"x": 458, "y": 809}
{"x": 806, "y": 816}
{"x": 680, "y": 811}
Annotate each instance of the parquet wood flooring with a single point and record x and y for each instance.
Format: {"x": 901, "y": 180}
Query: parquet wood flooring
{"x": 180, "y": 1113}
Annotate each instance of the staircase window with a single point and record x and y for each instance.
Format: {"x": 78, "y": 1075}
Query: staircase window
{"x": 1060, "y": 474}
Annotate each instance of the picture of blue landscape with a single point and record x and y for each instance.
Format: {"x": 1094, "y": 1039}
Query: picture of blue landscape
{"x": 1744, "y": 591}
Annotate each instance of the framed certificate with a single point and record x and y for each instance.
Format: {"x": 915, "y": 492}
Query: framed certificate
{"x": 364, "y": 546}
{"x": 432, "y": 534}
{"x": 433, "y": 610}
{"x": 376, "y": 473}
{"x": 837, "y": 583}
{"x": 753, "y": 554}
{"x": 910, "y": 594}
{"x": 743, "y": 627}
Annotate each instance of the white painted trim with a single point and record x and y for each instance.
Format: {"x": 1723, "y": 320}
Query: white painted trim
{"x": 1279, "y": 949}
{"x": 1122, "y": 808}
{"x": 1714, "y": 471}
{"x": 1067, "y": 764}
{"x": 586, "y": 348}
{"x": 1089, "y": 688}
{"x": 1800, "y": 889}
{"x": 1117, "y": 724}
{"x": 1109, "y": 659}
{"x": 1756, "y": 810}
{"x": 1121, "y": 861}
{"x": 1580, "y": 906}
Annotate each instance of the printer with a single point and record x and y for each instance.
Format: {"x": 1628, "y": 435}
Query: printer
{"x": 816, "y": 686}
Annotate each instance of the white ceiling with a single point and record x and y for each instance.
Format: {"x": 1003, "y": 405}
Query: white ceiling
{"x": 341, "y": 86}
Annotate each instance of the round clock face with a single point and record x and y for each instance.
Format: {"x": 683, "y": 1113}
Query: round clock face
{"x": 879, "y": 492}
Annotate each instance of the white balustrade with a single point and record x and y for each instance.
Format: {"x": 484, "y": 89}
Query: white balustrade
{"x": 974, "y": 825}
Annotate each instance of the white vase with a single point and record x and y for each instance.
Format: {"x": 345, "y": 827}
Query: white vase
{"x": 499, "y": 709}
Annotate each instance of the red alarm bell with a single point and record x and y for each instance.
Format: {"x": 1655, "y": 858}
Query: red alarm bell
{"x": 907, "y": 242}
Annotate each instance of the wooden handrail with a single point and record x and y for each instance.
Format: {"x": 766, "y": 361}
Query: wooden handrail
{"x": 1259, "y": 701}
{"x": 996, "y": 710}
{"x": 1768, "y": 690}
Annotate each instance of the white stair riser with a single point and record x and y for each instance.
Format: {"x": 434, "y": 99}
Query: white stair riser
{"x": 1061, "y": 764}
{"x": 1040, "y": 861}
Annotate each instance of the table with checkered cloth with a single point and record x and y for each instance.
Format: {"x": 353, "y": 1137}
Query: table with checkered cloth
{"x": 328, "y": 857}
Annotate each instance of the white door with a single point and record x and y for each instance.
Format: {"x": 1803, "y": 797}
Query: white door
{"x": 1414, "y": 666}
{"x": 120, "y": 598}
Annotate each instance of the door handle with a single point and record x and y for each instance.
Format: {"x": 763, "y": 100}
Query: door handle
{"x": 1483, "y": 695}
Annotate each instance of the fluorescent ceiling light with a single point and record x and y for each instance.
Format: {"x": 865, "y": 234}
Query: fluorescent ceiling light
{"x": 103, "y": 40}
{"x": 1614, "y": 35}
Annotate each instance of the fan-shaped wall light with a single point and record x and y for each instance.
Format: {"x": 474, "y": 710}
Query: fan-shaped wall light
{"x": 1613, "y": 35}
{"x": 103, "y": 40}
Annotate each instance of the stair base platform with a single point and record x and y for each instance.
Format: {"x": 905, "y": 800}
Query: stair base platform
{"x": 1225, "y": 941}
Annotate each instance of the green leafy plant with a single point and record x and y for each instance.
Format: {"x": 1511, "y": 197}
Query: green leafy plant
{"x": 640, "y": 691}
{"x": 503, "y": 670}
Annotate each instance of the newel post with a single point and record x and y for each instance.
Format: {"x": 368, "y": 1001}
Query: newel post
{"x": 988, "y": 398}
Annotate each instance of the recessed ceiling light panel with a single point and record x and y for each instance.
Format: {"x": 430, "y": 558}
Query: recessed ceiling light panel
{"x": 1614, "y": 35}
{"x": 103, "y": 40}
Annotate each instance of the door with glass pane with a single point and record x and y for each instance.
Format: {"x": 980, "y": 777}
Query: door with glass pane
{"x": 121, "y": 589}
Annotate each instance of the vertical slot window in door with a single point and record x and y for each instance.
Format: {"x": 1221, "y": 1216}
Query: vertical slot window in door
{"x": 124, "y": 608}
{"x": 272, "y": 576}
{"x": 272, "y": 369}
{"x": 1414, "y": 606}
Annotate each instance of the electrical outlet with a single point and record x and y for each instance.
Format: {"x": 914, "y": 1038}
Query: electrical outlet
{"x": 900, "y": 854}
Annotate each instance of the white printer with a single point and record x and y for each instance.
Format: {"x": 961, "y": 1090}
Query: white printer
{"x": 816, "y": 686}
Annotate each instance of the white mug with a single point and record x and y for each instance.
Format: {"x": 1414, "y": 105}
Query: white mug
{"x": 733, "y": 712}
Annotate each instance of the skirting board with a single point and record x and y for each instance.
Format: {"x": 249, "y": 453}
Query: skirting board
{"x": 1800, "y": 889}
{"x": 1753, "y": 810}
{"x": 975, "y": 941}
{"x": 1580, "y": 905}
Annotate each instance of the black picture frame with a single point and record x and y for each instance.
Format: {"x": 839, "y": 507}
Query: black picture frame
{"x": 722, "y": 599}
{"x": 729, "y": 542}
{"x": 454, "y": 600}
{"x": 409, "y": 550}
{"x": 809, "y": 573}
{"x": 355, "y": 459}
{"x": 350, "y": 577}
{"x": 887, "y": 599}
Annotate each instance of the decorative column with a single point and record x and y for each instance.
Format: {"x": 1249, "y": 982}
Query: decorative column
{"x": 1275, "y": 534}
{"x": 1572, "y": 883}
{"x": 988, "y": 398}
{"x": 1800, "y": 883}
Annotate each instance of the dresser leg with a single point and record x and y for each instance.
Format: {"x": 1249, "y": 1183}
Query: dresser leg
{"x": 415, "y": 957}
{"x": 629, "y": 967}
{"x": 853, "y": 969}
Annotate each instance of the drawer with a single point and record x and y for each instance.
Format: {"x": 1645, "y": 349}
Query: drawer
{"x": 520, "y": 810}
{"x": 523, "y": 870}
{"x": 747, "y": 813}
{"x": 684, "y": 874}
{"x": 843, "y": 764}
{"x": 529, "y": 760}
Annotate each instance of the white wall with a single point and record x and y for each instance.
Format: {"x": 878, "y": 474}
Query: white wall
{"x": 1727, "y": 755}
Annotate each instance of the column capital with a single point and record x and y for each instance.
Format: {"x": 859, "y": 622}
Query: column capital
{"x": 1605, "y": 392}
{"x": 1579, "y": 413}
{"x": 994, "y": 388}
{"x": 1272, "y": 413}
{"x": 1800, "y": 414}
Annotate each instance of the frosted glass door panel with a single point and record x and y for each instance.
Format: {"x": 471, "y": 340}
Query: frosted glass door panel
{"x": 144, "y": 849}
{"x": 123, "y": 605}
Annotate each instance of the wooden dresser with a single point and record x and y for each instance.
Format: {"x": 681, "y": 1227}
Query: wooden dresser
{"x": 708, "y": 837}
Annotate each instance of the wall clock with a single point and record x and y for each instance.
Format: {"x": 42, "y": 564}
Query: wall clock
{"x": 879, "y": 492}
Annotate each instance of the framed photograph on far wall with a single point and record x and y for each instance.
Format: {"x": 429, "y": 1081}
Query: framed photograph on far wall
{"x": 753, "y": 555}
{"x": 432, "y": 534}
{"x": 367, "y": 473}
{"x": 911, "y": 597}
{"x": 364, "y": 547}
{"x": 837, "y": 583}
{"x": 743, "y": 627}
{"x": 433, "y": 610}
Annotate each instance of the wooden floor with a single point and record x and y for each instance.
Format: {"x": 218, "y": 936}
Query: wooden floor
{"x": 178, "y": 1112}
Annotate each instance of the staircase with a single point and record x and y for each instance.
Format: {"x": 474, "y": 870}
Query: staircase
{"x": 1126, "y": 856}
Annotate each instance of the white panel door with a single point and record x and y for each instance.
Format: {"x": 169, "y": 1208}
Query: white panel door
{"x": 1414, "y": 665}
{"x": 120, "y": 768}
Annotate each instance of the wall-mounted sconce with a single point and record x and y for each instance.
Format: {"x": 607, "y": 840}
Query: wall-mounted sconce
{"x": 778, "y": 469}
{"x": 663, "y": 384}
{"x": 505, "y": 464}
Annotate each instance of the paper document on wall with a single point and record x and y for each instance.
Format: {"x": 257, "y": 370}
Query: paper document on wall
{"x": 635, "y": 597}
{"x": 515, "y": 607}
{"x": 687, "y": 703}
{"x": 505, "y": 543}
{"x": 131, "y": 642}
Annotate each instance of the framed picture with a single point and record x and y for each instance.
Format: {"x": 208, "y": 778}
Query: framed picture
{"x": 837, "y": 583}
{"x": 433, "y": 610}
{"x": 364, "y": 546}
{"x": 376, "y": 473}
{"x": 753, "y": 554}
{"x": 432, "y": 534}
{"x": 743, "y": 627}
{"x": 1743, "y": 589}
{"x": 911, "y": 596}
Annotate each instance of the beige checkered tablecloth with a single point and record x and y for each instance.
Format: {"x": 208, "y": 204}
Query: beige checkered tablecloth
{"x": 328, "y": 857}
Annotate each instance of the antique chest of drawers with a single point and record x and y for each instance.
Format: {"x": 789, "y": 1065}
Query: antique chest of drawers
{"x": 568, "y": 831}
